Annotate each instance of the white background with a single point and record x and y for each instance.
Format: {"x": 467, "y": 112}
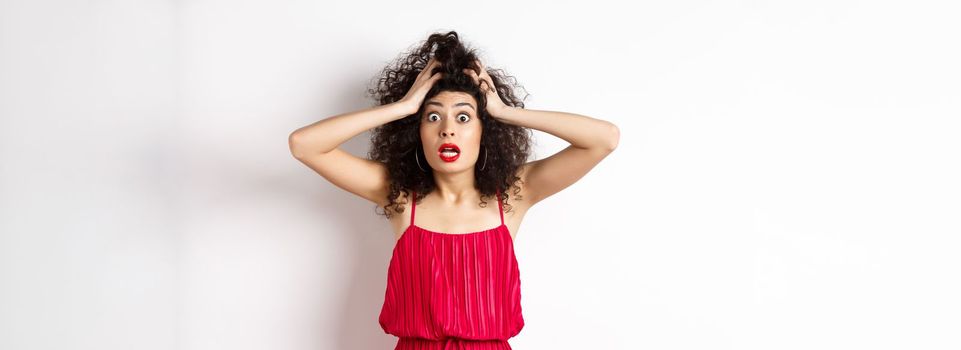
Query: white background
{"x": 787, "y": 174}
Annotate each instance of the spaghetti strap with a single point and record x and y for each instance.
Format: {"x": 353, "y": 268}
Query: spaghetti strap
{"x": 500, "y": 207}
{"x": 413, "y": 207}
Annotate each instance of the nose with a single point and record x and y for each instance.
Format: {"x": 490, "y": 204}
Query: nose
{"x": 447, "y": 130}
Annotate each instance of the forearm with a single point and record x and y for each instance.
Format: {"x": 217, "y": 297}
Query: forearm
{"x": 326, "y": 135}
{"x": 580, "y": 131}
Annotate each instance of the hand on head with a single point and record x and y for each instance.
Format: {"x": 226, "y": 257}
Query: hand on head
{"x": 425, "y": 80}
{"x": 494, "y": 103}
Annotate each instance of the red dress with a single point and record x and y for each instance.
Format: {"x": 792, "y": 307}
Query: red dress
{"x": 453, "y": 291}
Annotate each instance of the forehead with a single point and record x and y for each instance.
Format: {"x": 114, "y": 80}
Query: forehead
{"x": 451, "y": 99}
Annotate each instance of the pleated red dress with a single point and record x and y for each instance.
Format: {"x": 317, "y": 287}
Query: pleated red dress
{"x": 453, "y": 290}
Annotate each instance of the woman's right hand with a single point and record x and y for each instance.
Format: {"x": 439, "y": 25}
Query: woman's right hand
{"x": 415, "y": 95}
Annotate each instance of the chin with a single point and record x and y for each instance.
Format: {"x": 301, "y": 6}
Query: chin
{"x": 445, "y": 167}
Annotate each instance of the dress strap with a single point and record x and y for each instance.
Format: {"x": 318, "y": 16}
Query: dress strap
{"x": 413, "y": 207}
{"x": 500, "y": 207}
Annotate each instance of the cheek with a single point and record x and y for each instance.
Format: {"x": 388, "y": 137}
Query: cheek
{"x": 477, "y": 136}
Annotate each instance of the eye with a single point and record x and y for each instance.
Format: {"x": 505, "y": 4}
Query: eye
{"x": 463, "y": 117}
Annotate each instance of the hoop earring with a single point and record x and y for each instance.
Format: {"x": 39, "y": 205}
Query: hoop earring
{"x": 417, "y": 159}
{"x": 485, "y": 159}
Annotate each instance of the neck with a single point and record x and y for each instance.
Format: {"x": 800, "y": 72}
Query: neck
{"x": 455, "y": 188}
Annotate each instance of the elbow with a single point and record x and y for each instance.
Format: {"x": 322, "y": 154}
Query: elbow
{"x": 293, "y": 142}
{"x": 613, "y": 137}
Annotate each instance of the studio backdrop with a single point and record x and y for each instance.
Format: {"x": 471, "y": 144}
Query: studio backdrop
{"x": 786, "y": 175}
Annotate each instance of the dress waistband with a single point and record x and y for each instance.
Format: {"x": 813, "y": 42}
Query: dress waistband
{"x": 452, "y": 343}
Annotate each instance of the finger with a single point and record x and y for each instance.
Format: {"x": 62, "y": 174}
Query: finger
{"x": 472, "y": 74}
{"x": 484, "y": 83}
{"x": 478, "y": 68}
{"x": 434, "y": 78}
{"x": 486, "y": 80}
{"x": 478, "y": 81}
{"x": 485, "y": 77}
{"x": 430, "y": 65}
{"x": 429, "y": 82}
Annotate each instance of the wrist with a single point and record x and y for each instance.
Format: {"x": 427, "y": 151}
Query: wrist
{"x": 500, "y": 112}
{"x": 406, "y": 107}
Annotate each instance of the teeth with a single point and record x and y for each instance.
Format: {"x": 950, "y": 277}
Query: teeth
{"x": 449, "y": 154}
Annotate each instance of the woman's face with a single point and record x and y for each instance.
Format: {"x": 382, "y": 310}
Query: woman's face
{"x": 450, "y": 120}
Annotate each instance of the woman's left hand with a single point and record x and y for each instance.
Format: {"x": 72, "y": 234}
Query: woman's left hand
{"x": 494, "y": 103}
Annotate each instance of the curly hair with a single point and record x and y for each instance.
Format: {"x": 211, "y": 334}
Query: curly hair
{"x": 394, "y": 143}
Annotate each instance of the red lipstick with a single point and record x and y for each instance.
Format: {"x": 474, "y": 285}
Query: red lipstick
{"x": 448, "y": 152}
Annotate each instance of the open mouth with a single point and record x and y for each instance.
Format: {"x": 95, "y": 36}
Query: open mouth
{"x": 448, "y": 152}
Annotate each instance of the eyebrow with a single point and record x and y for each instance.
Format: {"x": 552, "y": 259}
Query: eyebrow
{"x": 455, "y": 105}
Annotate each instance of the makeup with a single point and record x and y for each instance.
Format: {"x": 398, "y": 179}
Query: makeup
{"x": 448, "y": 152}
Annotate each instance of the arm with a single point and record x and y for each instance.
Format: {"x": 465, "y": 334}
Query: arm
{"x": 316, "y": 145}
{"x": 591, "y": 141}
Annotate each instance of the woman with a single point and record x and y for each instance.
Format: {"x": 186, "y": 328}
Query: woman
{"x": 448, "y": 135}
